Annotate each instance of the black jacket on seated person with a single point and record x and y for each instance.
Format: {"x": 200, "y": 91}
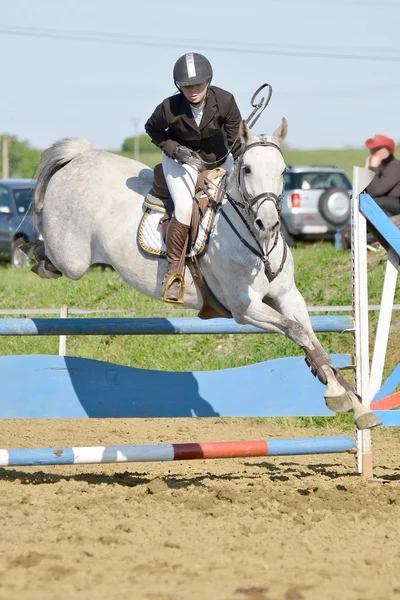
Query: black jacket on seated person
{"x": 172, "y": 124}
{"x": 387, "y": 179}
{"x": 385, "y": 186}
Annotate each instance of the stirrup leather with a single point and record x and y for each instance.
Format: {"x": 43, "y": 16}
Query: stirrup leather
{"x": 175, "y": 277}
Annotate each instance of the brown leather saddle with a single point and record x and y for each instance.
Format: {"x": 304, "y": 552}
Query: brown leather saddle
{"x": 158, "y": 198}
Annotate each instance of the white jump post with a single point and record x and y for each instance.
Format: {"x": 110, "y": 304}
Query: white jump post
{"x": 361, "y": 178}
{"x": 62, "y": 344}
{"x": 383, "y": 327}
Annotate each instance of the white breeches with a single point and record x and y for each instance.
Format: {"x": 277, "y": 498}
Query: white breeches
{"x": 181, "y": 182}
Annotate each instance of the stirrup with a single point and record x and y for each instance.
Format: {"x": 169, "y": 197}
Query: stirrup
{"x": 175, "y": 277}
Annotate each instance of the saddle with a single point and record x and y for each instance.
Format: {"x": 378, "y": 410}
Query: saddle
{"x": 159, "y": 199}
{"x": 159, "y": 207}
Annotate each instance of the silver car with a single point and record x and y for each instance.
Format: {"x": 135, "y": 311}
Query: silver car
{"x": 316, "y": 202}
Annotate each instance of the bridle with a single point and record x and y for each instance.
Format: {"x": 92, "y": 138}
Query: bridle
{"x": 247, "y": 203}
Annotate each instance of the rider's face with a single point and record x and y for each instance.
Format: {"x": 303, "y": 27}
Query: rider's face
{"x": 195, "y": 94}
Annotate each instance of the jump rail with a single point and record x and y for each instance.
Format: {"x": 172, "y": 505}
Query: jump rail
{"x": 174, "y": 452}
{"x": 153, "y": 326}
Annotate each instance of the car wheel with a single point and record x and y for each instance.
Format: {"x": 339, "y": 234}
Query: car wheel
{"x": 19, "y": 258}
{"x": 334, "y": 206}
{"x": 291, "y": 242}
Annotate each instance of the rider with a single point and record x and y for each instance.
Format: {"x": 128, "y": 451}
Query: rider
{"x": 197, "y": 128}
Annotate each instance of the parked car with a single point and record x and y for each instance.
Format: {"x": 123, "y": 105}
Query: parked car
{"x": 16, "y": 224}
{"x": 316, "y": 202}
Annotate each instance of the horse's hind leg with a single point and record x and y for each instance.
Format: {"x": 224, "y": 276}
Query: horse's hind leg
{"x": 43, "y": 267}
{"x": 261, "y": 315}
{"x": 71, "y": 264}
{"x": 67, "y": 254}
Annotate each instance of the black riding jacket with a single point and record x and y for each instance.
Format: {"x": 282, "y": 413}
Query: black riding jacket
{"x": 172, "y": 124}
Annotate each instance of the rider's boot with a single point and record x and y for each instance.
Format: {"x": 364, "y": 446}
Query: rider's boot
{"x": 177, "y": 240}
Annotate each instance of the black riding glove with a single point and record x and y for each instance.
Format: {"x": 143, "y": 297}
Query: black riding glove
{"x": 184, "y": 156}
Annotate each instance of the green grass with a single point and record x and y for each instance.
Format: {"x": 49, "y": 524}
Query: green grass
{"x": 323, "y": 276}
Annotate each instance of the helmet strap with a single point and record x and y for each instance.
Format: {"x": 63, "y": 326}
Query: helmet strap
{"x": 205, "y": 97}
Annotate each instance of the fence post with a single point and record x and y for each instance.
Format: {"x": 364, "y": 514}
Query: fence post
{"x": 361, "y": 178}
{"x": 385, "y": 316}
{"x": 62, "y": 346}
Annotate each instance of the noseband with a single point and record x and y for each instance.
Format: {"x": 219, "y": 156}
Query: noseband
{"x": 248, "y": 200}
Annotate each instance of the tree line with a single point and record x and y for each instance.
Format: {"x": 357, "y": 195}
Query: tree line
{"x": 23, "y": 158}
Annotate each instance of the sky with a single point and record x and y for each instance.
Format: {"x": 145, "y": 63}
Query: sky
{"x": 58, "y": 85}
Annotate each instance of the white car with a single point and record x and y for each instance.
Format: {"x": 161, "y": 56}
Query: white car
{"x": 316, "y": 202}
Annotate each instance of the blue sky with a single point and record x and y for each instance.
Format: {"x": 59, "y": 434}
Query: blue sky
{"x": 56, "y": 88}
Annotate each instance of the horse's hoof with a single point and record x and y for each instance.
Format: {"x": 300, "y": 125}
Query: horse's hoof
{"x": 34, "y": 250}
{"x": 367, "y": 421}
{"x": 44, "y": 273}
{"x": 339, "y": 404}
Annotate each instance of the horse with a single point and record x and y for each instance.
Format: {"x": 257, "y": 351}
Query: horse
{"x": 88, "y": 205}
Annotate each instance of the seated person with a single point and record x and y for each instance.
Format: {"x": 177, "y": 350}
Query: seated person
{"x": 385, "y": 187}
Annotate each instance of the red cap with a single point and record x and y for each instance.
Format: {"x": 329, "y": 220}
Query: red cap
{"x": 380, "y": 141}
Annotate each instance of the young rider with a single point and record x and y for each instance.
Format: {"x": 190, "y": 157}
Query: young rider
{"x": 197, "y": 128}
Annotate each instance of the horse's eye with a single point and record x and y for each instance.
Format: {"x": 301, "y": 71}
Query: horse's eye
{"x": 247, "y": 170}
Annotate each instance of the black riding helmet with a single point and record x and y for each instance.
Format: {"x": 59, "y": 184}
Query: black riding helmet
{"x": 192, "y": 69}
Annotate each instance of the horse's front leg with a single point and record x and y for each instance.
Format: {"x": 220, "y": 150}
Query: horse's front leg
{"x": 295, "y": 325}
{"x": 339, "y": 395}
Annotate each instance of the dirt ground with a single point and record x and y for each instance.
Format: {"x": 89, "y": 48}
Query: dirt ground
{"x": 304, "y": 528}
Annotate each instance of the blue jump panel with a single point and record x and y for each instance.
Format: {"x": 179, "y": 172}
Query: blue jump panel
{"x": 375, "y": 215}
{"x": 41, "y": 386}
{"x": 390, "y": 385}
{"x": 389, "y": 418}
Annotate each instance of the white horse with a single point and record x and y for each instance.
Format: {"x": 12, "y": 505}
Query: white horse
{"x": 88, "y": 205}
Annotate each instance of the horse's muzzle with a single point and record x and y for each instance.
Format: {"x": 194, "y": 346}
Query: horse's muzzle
{"x": 267, "y": 232}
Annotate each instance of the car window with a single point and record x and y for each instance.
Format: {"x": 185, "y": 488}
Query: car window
{"x": 289, "y": 181}
{"x": 23, "y": 199}
{"x": 4, "y": 197}
{"x": 323, "y": 180}
{"x": 339, "y": 180}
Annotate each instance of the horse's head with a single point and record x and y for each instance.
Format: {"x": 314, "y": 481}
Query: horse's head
{"x": 260, "y": 177}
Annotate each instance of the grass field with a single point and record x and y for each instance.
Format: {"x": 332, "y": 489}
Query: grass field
{"x": 323, "y": 276}
{"x": 344, "y": 159}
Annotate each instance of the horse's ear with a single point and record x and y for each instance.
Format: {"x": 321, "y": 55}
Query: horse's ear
{"x": 245, "y": 133}
{"x": 280, "y": 134}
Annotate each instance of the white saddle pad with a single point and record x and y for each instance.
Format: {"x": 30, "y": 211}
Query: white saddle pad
{"x": 150, "y": 235}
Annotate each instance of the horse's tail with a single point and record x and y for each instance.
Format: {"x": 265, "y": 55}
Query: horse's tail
{"x": 53, "y": 159}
